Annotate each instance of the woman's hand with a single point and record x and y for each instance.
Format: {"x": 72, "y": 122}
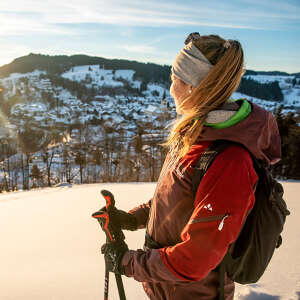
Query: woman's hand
{"x": 113, "y": 254}
{"x": 121, "y": 218}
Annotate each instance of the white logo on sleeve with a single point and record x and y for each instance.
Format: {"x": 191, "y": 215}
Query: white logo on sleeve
{"x": 208, "y": 206}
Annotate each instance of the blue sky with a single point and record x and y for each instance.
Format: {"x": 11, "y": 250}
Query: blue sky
{"x": 152, "y": 30}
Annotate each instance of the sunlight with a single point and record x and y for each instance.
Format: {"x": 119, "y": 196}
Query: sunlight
{"x": 10, "y": 130}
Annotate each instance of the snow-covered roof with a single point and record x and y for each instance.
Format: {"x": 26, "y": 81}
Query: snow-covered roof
{"x": 151, "y": 108}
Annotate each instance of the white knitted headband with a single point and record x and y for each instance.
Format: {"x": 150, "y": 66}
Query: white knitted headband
{"x": 190, "y": 65}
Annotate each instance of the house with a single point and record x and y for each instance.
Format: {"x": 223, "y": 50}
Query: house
{"x": 151, "y": 111}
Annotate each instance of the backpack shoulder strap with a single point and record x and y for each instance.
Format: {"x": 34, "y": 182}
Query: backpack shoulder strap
{"x": 206, "y": 159}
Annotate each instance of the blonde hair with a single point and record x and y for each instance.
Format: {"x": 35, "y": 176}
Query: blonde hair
{"x": 213, "y": 91}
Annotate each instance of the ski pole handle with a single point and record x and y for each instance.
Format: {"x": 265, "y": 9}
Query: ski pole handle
{"x": 113, "y": 231}
{"x": 109, "y": 198}
{"x": 103, "y": 219}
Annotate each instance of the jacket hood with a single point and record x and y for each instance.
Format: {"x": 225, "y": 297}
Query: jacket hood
{"x": 255, "y": 128}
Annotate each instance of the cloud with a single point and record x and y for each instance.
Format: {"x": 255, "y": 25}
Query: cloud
{"x": 17, "y": 17}
{"x": 76, "y": 22}
{"x": 18, "y": 24}
{"x": 139, "y": 48}
{"x": 274, "y": 9}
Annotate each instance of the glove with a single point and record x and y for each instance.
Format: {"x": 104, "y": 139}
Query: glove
{"x": 113, "y": 254}
{"x": 121, "y": 218}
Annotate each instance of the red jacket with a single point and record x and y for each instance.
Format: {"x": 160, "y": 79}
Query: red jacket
{"x": 224, "y": 198}
{"x": 195, "y": 233}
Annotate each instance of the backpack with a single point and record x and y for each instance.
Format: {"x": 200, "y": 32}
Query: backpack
{"x": 248, "y": 257}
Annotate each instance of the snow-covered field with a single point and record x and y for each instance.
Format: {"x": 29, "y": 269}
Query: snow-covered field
{"x": 50, "y": 245}
{"x": 100, "y": 76}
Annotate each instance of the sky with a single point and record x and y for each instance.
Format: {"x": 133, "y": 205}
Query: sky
{"x": 152, "y": 30}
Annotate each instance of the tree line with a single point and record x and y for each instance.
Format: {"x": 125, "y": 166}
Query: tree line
{"x": 37, "y": 158}
{"x": 114, "y": 158}
{"x": 267, "y": 91}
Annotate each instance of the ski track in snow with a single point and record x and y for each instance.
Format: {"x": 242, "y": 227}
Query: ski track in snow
{"x": 50, "y": 245}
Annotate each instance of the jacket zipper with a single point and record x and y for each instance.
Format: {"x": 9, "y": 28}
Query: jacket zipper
{"x": 210, "y": 219}
{"x": 222, "y": 222}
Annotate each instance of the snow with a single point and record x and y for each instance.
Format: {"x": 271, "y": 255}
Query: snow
{"x": 64, "y": 184}
{"x": 151, "y": 109}
{"x": 125, "y": 74}
{"x": 68, "y": 108}
{"x": 15, "y": 76}
{"x": 268, "y": 105}
{"x": 155, "y": 87}
{"x": 97, "y": 75}
{"x": 269, "y": 78}
{"x": 291, "y": 97}
{"x": 50, "y": 245}
{"x": 290, "y": 93}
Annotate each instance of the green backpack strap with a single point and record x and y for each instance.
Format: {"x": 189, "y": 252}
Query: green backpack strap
{"x": 201, "y": 167}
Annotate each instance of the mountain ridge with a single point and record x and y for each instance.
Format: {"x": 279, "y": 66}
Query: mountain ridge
{"x": 61, "y": 63}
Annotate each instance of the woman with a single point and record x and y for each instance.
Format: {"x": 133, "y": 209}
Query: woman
{"x": 183, "y": 246}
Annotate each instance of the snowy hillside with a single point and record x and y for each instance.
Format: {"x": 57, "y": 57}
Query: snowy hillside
{"x": 100, "y": 77}
{"x": 67, "y": 108}
{"x": 50, "y": 245}
{"x": 90, "y": 108}
{"x": 290, "y": 88}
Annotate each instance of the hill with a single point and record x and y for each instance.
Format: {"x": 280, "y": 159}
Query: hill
{"x": 60, "y": 63}
{"x": 89, "y": 119}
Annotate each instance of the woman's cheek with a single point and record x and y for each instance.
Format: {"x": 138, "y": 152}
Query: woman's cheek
{"x": 171, "y": 90}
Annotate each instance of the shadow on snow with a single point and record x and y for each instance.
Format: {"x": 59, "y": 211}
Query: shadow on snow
{"x": 261, "y": 296}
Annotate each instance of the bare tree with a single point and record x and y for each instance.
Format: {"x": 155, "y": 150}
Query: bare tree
{"x": 47, "y": 156}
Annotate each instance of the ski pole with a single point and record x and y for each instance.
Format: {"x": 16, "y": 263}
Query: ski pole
{"x": 102, "y": 223}
{"x": 116, "y": 235}
{"x": 113, "y": 234}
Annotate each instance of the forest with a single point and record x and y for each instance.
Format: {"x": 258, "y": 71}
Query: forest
{"x": 115, "y": 158}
